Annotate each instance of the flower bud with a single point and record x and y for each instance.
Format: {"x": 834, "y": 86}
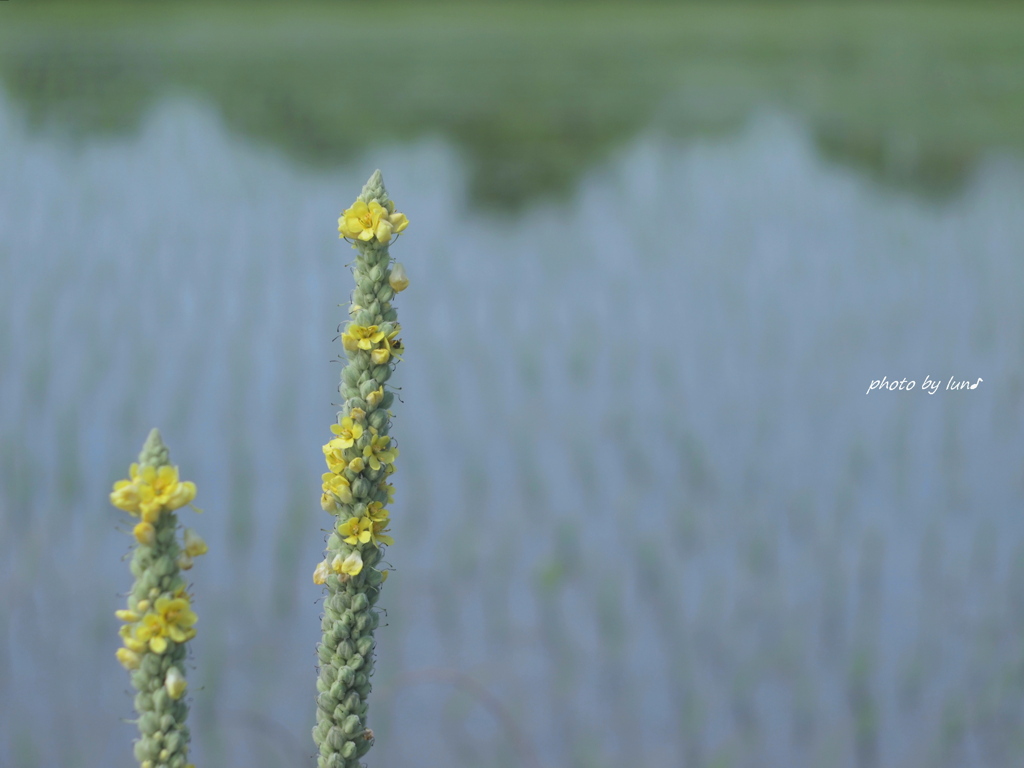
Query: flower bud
{"x": 145, "y": 533}
{"x": 194, "y": 544}
{"x": 129, "y": 659}
{"x": 175, "y": 683}
{"x": 398, "y": 280}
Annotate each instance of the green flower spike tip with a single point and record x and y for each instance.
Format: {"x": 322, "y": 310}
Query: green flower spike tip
{"x": 360, "y": 458}
{"x": 159, "y": 618}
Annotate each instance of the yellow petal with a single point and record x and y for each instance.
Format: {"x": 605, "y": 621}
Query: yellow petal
{"x": 176, "y": 633}
{"x": 135, "y": 645}
{"x": 150, "y": 512}
{"x": 145, "y": 533}
{"x": 126, "y": 496}
{"x": 181, "y": 495}
{"x": 398, "y": 222}
{"x": 352, "y": 564}
{"x": 129, "y": 659}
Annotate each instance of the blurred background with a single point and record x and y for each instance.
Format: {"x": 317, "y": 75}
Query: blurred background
{"x": 646, "y": 514}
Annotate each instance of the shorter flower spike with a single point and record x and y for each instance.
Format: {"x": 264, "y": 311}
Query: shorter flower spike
{"x": 159, "y": 619}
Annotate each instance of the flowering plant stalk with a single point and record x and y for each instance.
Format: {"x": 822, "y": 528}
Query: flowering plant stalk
{"x": 360, "y": 458}
{"x": 159, "y": 618}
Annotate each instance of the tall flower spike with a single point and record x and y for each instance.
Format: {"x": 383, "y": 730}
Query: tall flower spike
{"x": 360, "y": 456}
{"x": 159, "y": 618}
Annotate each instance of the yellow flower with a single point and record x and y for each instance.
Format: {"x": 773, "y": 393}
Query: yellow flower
{"x": 194, "y": 544}
{"x": 398, "y": 223}
{"x": 398, "y": 280}
{"x": 175, "y": 683}
{"x": 361, "y": 337}
{"x": 378, "y": 534}
{"x": 171, "y": 618}
{"x": 166, "y": 492}
{"x": 126, "y": 494}
{"x": 373, "y": 399}
{"x": 334, "y": 454}
{"x": 150, "y": 632}
{"x": 378, "y": 452}
{"x": 357, "y": 465}
{"x": 182, "y": 494}
{"x": 366, "y": 221}
{"x": 150, "y": 491}
{"x": 320, "y": 572}
{"x": 357, "y": 530}
{"x": 131, "y": 642}
{"x": 352, "y": 564}
{"x": 376, "y": 512}
{"x": 337, "y": 485}
{"x": 178, "y": 616}
{"x": 358, "y": 414}
{"x": 389, "y": 347}
{"x": 347, "y": 432}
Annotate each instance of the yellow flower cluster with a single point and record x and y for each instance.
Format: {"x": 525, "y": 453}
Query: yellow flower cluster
{"x": 150, "y": 491}
{"x": 364, "y": 530}
{"x": 150, "y": 626}
{"x": 353, "y": 449}
{"x": 366, "y": 221}
{"x": 350, "y": 565}
{"x": 369, "y": 338}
